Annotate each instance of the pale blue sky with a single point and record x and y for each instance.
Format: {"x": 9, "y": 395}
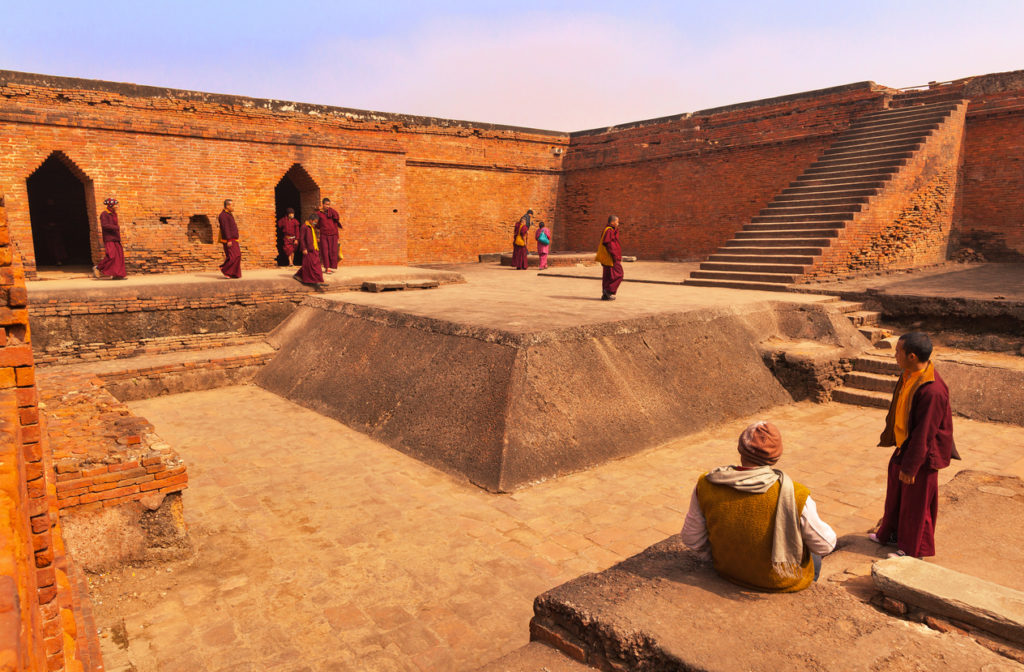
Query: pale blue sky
{"x": 555, "y": 65}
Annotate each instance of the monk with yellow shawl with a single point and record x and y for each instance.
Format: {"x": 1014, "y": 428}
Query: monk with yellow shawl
{"x": 609, "y": 253}
{"x": 311, "y": 272}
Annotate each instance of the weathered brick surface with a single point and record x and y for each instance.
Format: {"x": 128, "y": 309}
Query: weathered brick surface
{"x": 683, "y": 185}
{"x": 168, "y": 155}
{"x": 38, "y": 621}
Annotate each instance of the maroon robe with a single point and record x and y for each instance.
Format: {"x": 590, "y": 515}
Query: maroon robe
{"x": 310, "y": 273}
{"x": 113, "y": 263}
{"x": 612, "y": 275}
{"x": 289, "y": 227}
{"x": 520, "y": 257}
{"x": 912, "y": 510}
{"x": 232, "y": 266}
{"x": 329, "y": 225}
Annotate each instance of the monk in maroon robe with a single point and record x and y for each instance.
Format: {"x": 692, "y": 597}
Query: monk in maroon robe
{"x": 610, "y": 255}
{"x": 289, "y": 228}
{"x": 520, "y": 258}
{"x": 920, "y": 425}
{"x": 310, "y": 272}
{"x": 232, "y": 266}
{"x": 329, "y": 223}
{"x": 113, "y": 263}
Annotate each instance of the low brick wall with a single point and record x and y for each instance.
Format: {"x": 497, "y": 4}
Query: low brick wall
{"x": 189, "y": 376}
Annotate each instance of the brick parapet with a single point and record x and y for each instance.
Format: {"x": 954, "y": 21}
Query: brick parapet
{"x": 38, "y": 628}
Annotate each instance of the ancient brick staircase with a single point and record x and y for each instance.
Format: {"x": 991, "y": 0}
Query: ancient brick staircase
{"x": 870, "y": 383}
{"x": 788, "y": 237}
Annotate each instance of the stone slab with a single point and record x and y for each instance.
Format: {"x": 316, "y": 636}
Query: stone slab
{"x": 507, "y": 408}
{"x": 986, "y": 605}
{"x": 664, "y": 610}
{"x": 535, "y": 657}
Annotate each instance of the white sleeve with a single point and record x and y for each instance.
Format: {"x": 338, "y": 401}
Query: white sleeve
{"x": 695, "y": 529}
{"x": 818, "y": 536}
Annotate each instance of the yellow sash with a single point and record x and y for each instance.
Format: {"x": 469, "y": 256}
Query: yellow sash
{"x": 316, "y": 244}
{"x": 603, "y": 255}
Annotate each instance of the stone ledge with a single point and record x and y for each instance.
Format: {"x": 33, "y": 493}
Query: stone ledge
{"x": 983, "y": 604}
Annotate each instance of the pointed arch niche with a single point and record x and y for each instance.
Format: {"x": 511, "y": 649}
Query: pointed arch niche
{"x": 61, "y": 202}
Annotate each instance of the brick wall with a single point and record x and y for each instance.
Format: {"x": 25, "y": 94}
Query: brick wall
{"x": 909, "y": 223}
{"x": 37, "y": 620}
{"x": 168, "y": 155}
{"x": 683, "y": 185}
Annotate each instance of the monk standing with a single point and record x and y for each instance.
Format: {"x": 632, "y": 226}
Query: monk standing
{"x": 289, "y": 227}
{"x": 113, "y": 263}
{"x": 310, "y": 272}
{"x": 920, "y": 425}
{"x": 329, "y": 223}
{"x": 232, "y": 266}
{"x": 520, "y": 260}
{"x": 609, "y": 253}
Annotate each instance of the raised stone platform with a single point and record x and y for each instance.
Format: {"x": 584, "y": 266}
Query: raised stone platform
{"x": 555, "y": 259}
{"x": 508, "y": 405}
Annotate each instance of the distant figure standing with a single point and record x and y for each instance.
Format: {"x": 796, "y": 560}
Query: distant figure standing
{"x": 329, "y": 222}
{"x": 310, "y": 273}
{"x": 520, "y": 261}
{"x": 609, "y": 253}
{"x": 113, "y": 263}
{"x": 543, "y": 237}
{"x": 920, "y": 425}
{"x": 232, "y": 266}
{"x": 289, "y": 227}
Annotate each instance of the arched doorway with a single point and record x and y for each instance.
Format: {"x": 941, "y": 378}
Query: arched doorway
{"x": 298, "y": 191}
{"x": 59, "y": 197}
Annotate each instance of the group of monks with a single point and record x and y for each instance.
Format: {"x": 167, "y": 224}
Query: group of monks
{"x": 609, "y": 251}
{"x": 317, "y": 241}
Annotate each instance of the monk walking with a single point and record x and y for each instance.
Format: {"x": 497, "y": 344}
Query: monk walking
{"x": 232, "y": 266}
{"x": 609, "y": 253}
{"x": 520, "y": 260}
{"x": 329, "y": 223}
{"x": 289, "y": 228}
{"x": 113, "y": 263}
{"x": 310, "y": 273}
{"x": 920, "y": 425}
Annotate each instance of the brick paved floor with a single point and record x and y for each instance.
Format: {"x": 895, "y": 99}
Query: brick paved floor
{"x": 320, "y": 549}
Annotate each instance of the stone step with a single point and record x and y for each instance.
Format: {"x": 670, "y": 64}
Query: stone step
{"x": 876, "y": 364}
{"x": 912, "y": 130}
{"x": 737, "y": 284}
{"x": 804, "y": 260}
{"x": 854, "y": 152}
{"x": 944, "y": 106}
{"x": 781, "y": 278}
{"x": 809, "y": 217}
{"x": 878, "y": 178}
{"x": 874, "y": 334}
{"x": 854, "y": 164}
{"x": 927, "y": 98}
{"x": 754, "y": 250}
{"x": 847, "y": 395}
{"x": 876, "y": 140}
{"x": 805, "y": 187}
{"x": 788, "y": 243}
{"x": 849, "y": 307}
{"x": 855, "y": 195}
{"x": 871, "y": 382}
{"x": 816, "y": 207}
{"x": 845, "y": 174}
{"x": 752, "y": 267}
{"x": 792, "y": 226}
{"x": 884, "y": 126}
{"x": 801, "y": 234}
{"x": 864, "y": 317}
{"x": 901, "y": 114}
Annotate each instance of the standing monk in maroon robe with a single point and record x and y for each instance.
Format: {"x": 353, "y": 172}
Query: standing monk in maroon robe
{"x": 289, "y": 227}
{"x": 920, "y": 425}
{"x": 609, "y": 253}
{"x": 520, "y": 260}
{"x": 310, "y": 272}
{"x": 113, "y": 262}
{"x": 329, "y": 223}
{"x": 232, "y": 266}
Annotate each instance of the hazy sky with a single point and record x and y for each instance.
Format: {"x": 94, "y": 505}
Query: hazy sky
{"x": 557, "y": 65}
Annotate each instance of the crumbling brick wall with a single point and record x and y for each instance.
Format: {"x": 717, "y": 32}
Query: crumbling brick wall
{"x": 685, "y": 184}
{"x": 37, "y": 622}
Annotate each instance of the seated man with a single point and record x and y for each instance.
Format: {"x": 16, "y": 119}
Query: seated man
{"x": 758, "y": 526}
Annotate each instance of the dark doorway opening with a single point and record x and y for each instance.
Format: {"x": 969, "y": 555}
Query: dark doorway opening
{"x": 298, "y": 191}
{"x": 59, "y": 213}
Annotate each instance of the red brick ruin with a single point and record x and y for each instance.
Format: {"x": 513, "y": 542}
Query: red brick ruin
{"x": 417, "y": 190}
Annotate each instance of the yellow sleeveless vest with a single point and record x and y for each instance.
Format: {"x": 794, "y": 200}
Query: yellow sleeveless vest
{"x": 740, "y": 526}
